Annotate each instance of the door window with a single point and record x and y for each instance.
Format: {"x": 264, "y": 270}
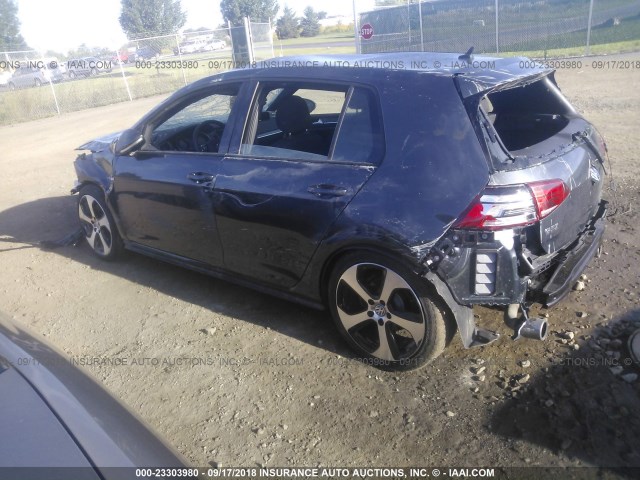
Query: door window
{"x": 199, "y": 125}
{"x": 314, "y": 122}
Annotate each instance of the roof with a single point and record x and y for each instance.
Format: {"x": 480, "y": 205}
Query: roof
{"x": 480, "y": 73}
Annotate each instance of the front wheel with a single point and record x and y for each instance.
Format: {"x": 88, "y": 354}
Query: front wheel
{"x": 383, "y": 311}
{"x": 97, "y": 223}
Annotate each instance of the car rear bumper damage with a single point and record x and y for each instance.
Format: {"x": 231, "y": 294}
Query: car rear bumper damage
{"x": 491, "y": 268}
{"x": 573, "y": 261}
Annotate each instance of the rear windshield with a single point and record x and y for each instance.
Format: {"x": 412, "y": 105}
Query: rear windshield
{"x": 527, "y": 121}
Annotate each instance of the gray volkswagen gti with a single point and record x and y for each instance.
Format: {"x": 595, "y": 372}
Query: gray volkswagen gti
{"x": 396, "y": 190}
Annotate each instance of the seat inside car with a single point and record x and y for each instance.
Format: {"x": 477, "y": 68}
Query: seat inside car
{"x": 294, "y": 119}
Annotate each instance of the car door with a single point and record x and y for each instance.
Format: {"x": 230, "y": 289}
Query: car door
{"x": 163, "y": 191}
{"x": 274, "y": 203}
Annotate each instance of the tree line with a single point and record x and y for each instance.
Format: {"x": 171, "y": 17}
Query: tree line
{"x": 148, "y": 18}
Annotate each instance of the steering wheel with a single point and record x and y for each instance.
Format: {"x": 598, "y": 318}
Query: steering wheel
{"x": 207, "y": 135}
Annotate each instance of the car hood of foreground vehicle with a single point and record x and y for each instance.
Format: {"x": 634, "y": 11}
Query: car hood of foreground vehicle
{"x": 58, "y": 416}
{"x": 101, "y": 143}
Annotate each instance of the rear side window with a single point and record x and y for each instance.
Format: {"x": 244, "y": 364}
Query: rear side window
{"x": 294, "y": 121}
{"x": 360, "y": 138}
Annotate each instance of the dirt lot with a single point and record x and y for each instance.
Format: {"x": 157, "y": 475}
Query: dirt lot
{"x": 273, "y": 384}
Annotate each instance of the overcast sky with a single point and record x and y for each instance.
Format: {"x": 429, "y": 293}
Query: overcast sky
{"x": 60, "y": 25}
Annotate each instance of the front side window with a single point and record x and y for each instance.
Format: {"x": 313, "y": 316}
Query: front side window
{"x": 198, "y": 125}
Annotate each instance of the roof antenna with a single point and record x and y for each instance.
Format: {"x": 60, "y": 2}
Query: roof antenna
{"x": 468, "y": 56}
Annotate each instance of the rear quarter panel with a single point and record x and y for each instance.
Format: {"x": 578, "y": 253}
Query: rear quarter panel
{"x": 433, "y": 168}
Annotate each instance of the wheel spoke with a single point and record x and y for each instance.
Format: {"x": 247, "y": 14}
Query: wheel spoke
{"x": 104, "y": 223}
{"x": 416, "y": 329}
{"x": 91, "y": 240}
{"x": 350, "y": 277}
{"x": 106, "y": 246}
{"x": 90, "y": 202}
{"x": 392, "y": 281}
{"x": 350, "y": 321}
{"x": 83, "y": 216}
{"x": 384, "y": 350}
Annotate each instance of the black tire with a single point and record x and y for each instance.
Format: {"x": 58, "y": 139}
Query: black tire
{"x": 72, "y": 75}
{"x": 415, "y": 329}
{"x": 99, "y": 228}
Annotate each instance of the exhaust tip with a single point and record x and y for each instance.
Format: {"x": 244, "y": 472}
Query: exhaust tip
{"x": 534, "y": 328}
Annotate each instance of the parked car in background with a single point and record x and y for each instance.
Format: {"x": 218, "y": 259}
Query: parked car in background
{"x": 34, "y": 73}
{"x": 123, "y": 56}
{"x": 398, "y": 194}
{"x": 215, "y": 45}
{"x": 147, "y": 52}
{"x": 4, "y": 79}
{"x": 61, "y": 421}
{"x": 87, "y": 66}
{"x": 192, "y": 46}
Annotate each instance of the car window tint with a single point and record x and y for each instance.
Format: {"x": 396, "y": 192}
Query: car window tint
{"x": 294, "y": 121}
{"x": 361, "y": 138}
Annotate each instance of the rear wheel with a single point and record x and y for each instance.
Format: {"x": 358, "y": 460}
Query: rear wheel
{"x": 383, "y": 311}
{"x": 97, "y": 223}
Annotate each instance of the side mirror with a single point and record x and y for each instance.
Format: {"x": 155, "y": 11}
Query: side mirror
{"x": 127, "y": 142}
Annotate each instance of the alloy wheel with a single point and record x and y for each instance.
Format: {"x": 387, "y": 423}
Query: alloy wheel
{"x": 380, "y": 311}
{"x": 95, "y": 223}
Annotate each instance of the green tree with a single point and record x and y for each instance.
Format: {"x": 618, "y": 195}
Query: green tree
{"x": 10, "y": 38}
{"x": 148, "y": 18}
{"x": 310, "y": 23}
{"x": 288, "y": 25}
{"x": 257, "y": 10}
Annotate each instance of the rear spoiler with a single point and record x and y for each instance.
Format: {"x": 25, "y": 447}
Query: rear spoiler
{"x": 473, "y": 84}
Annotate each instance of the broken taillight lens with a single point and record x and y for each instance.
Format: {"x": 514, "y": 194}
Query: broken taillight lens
{"x": 509, "y": 206}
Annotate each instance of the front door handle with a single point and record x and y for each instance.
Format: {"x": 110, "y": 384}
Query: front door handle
{"x": 200, "y": 177}
{"x": 325, "y": 191}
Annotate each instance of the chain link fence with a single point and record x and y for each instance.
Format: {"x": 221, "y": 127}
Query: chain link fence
{"x": 34, "y": 86}
{"x": 498, "y": 26}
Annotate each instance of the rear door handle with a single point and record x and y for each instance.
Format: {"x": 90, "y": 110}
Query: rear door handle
{"x": 200, "y": 177}
{"x": 324, "y": 190}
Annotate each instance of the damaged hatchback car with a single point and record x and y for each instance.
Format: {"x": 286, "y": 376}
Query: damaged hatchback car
{"x": 395, "y": 195}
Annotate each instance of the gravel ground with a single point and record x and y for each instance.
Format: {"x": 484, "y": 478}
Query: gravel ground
{"x": 236, "y": 378}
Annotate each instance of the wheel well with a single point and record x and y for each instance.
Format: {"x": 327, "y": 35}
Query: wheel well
{"x": 88, "y": 183}
{"x": 440, "y": 303}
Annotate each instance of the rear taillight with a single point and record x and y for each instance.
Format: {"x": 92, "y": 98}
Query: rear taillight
{"x": 548, "y": 195}
{"x": 498, "y": 208}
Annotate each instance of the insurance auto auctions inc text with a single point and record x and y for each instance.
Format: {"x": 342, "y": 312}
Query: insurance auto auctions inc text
{"x": 368, "y": 472}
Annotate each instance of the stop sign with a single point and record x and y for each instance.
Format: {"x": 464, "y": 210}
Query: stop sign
{"x": 366, "y": 31}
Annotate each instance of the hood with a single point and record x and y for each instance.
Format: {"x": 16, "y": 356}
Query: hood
{"x": 101, "y": 143}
